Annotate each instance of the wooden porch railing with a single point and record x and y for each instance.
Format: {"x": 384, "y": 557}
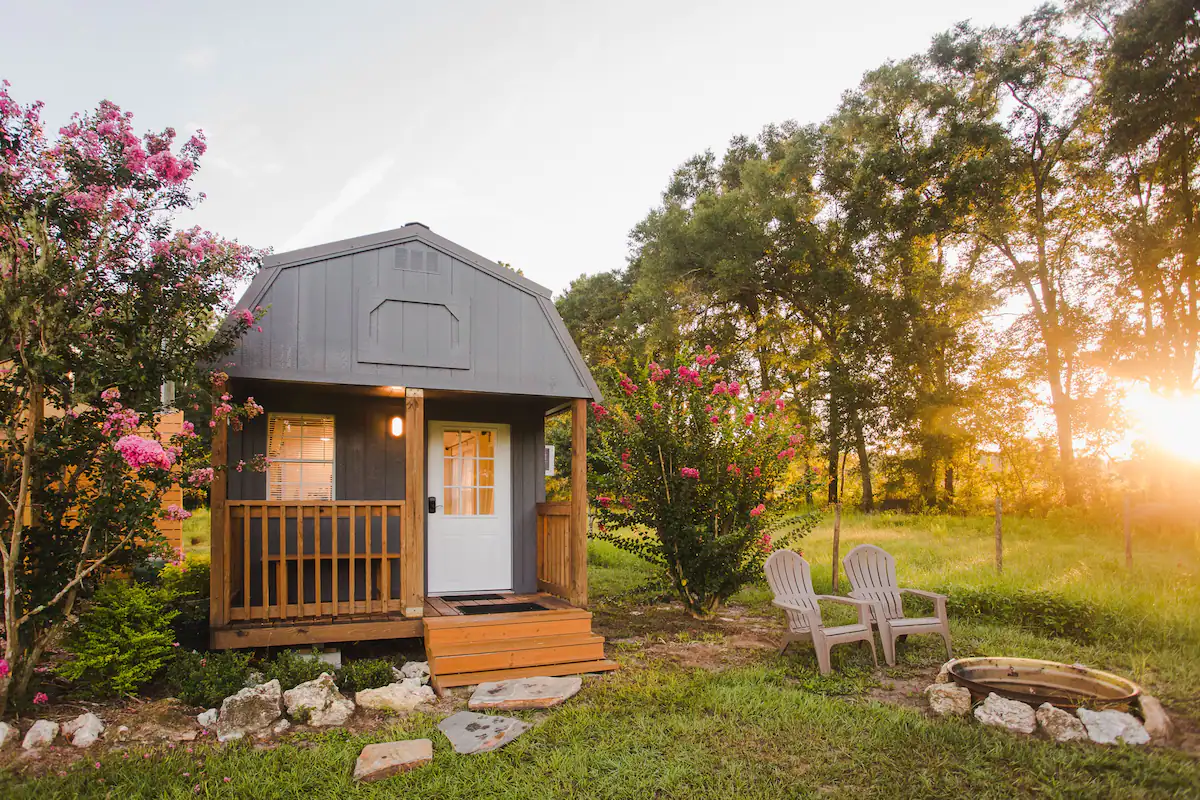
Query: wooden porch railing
{"x": 286, "y": 560}
{"x": 554, "y": 571}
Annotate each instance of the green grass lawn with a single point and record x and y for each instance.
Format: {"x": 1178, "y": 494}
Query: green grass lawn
{"x": 709, "y": 709}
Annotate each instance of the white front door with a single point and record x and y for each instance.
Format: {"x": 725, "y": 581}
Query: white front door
{"x": 469, "y": 540}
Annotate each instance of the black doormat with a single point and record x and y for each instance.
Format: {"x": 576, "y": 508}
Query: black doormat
{"x": 459, "y": 598}
{"x": 501, "y": 608}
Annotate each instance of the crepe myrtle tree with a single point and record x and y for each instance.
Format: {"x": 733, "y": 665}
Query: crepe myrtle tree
{"x": 101, "y": 304}
{"x": 691, "y": 474}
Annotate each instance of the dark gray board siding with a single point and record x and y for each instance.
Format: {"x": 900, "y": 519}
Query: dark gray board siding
{"x": 410, "y": 310}
{"x": 369, "y": 461}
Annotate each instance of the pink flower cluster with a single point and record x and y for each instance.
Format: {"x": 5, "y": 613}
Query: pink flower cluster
{"x": 139, "y": 452}
{"x": 758, "y": 510}
{"x": 40, "y": 699}
{"x": 120, "y": 421}
{"x": 176, "y": 514}
{"x": 657, "y": 373}
{"x": 627, "y": 386}
{"x": 690, "y": 472}
{"x": 603, "y": 501}
{"x": 795, "y": 438}
{"x": 734, "y": 469}
{"x": 187, "y": 430}
{"x": 625, "y": 465}
{"x": 733, "y": 388}
{"x": 690, "y": 375}
{"x": 109, "y": 395}
{"x": 748, "y": 420}
{"x": 600, "y": 411}
{"x": 709, "y": 358}
{"x": 201, "y": 477}
{"x": 787, "y": 452}
{"x": 4, "y": 668}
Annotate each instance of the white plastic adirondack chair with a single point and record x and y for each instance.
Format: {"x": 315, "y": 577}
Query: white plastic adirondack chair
{"x": 790, "y": 579}
{"x": 872, "y": 573}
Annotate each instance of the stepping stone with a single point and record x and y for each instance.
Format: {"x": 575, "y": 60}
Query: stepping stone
{"x": 525, "y": 693}
{"x": 480, "y": 733}
{"x": 379, "y": 761}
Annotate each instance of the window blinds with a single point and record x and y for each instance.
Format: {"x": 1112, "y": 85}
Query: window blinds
{"x": 301, "y": 450}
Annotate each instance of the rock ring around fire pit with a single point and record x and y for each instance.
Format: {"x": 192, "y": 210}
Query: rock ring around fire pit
{"x": 1031, "y": 680}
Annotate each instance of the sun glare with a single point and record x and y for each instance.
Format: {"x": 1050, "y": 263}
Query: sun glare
{"x": 1169, "y": 423}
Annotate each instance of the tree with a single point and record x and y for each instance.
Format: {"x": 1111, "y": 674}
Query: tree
{"x": 1030, "y": 94}
{"x": 101, "y": 304}
{"x": 1151, "y": 90}
{"x": 690, "y": 475}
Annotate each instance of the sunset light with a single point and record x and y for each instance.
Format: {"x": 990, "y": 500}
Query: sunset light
{"x": 1170, "y": 423}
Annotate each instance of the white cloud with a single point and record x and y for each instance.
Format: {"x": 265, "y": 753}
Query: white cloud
{"x": 358, "y": 186}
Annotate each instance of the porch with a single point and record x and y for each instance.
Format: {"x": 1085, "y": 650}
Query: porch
{"x": 298, "y": 572}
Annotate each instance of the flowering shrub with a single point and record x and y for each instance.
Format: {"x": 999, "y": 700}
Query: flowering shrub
{"x": 101, "y": 303}
{"x": 688, "y": 467}
{"x": 122, "y": 640}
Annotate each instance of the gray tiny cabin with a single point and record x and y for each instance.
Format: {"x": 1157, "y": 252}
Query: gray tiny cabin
{"x": 405, "y": 383}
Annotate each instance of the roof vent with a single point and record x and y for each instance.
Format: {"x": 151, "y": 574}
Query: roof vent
{"x": 418, "y": 224}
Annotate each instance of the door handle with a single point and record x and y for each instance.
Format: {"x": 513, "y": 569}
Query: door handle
{"x": 433, "y": 505}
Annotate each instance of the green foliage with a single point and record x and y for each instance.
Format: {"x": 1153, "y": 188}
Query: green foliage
{"x": 121, "y": 640}
{"x": 685, "y": 464}
{"x": 205, "y": 679}
{"x": 1035, "y": 610}
{"x": 364, "y": 673}
{"x": 292, "y": 668}
{"x": 187, "y": 587}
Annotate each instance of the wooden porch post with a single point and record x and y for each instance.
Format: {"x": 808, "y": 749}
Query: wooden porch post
{"x": 412, "y": 544}
{"x": 579, "y": 504}
{"x": 218, "y": 491}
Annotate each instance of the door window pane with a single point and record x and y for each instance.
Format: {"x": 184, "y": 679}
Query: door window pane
{"x": 469, "y": 471}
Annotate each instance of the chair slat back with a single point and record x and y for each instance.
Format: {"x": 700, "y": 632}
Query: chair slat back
{"x": 788, "y": 575}
{"x": 872, "y": 573}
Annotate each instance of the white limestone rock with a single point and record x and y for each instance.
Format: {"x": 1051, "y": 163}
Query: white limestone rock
{"x": 42, "y": 733}
{"x": 1011, "y": 715}
{"x": 208, "y": 719}
{"x": 948, "y": 699}
{"x": 251, "y": 710}
{"x": 1060, "y": 725}
{"x": 415, "y": 669}
{"x": 1111, "y": 727}
{"x": 401, "y": 696}
{"x": 84, "y": 730}
{"x": 7, "y": 732}
{"x": 318, "y": 703}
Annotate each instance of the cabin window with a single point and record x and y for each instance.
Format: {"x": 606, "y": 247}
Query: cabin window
{"x": 301, "y": 448}
{"x": 469, "y": 472}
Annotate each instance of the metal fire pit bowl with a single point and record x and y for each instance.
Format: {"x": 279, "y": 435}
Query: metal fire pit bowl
{"x": 1034, "y": 681}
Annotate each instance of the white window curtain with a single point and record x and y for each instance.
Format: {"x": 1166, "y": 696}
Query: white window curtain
{"x": 301, "y": 450}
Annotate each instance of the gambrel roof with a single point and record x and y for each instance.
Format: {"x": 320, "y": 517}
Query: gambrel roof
{"x": 408, "y": 308}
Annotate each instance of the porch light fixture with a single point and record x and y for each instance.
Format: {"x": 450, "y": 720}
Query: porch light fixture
{"x": 397, "y": 426}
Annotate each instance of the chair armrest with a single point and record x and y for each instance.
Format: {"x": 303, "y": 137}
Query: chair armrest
{"x": 812, "y": 616}
{"x": 864, "y": 606}
{"x": 925, "y": 594}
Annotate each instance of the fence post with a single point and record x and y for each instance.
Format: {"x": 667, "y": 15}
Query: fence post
{"x": 837, "y": 536}
{"x": 999, "y": 540}
{"x": 1128, "y": 535}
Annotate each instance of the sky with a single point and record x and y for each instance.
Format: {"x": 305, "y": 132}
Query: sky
{"x": 534, "y": 133}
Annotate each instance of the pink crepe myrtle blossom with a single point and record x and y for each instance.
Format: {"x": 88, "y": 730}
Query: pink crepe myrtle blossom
{"x": 758, "y": 510}
{"x": 600, "y": 411}
{"x": 656, "y": 406}
{"x": 40, "y": 699}
{"x": 627, "y": 386}
{"x": 690, "y": 472}
{"x": 176, "y": 514}
{"x": 109, "y": 395}
{"x": 795, "y": 438}
{"x": 734, "y": 468}
{"x": 748, "y": 420}
{"x": 714, "y": 419}
{"x": 603, "y": 501}
{"x": 4, "y": 670}
{"x": 201, "y": 476}
{"x": 757, "y": 472}
{"x": 139, "y": 452}
{"x": 766, "y": 542}
{"x": 187, "y": 430}
{"x": 788, "y": 452}
{"x": 120, "y": 421}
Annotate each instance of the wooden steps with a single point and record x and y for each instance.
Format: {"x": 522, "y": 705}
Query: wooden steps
{"x": 471, "y": 649}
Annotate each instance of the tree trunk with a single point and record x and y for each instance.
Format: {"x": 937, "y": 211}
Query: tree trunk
{"x": 949, "y": 483}
{"x": 835, "y": 440}
{"x": 864, "y": 461}
{"x": 1060, "y": 404}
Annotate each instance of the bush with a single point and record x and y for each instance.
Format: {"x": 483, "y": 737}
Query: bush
{"x": 186, "y": 583}
{"x": 1036, "y": 611}
{"x": 121, "y": 640}
{"x": 691, "y": 469}
{"x": 291, "y": 668}
{"x": 364, "y": 673}
{"x": 205, "y": 679}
